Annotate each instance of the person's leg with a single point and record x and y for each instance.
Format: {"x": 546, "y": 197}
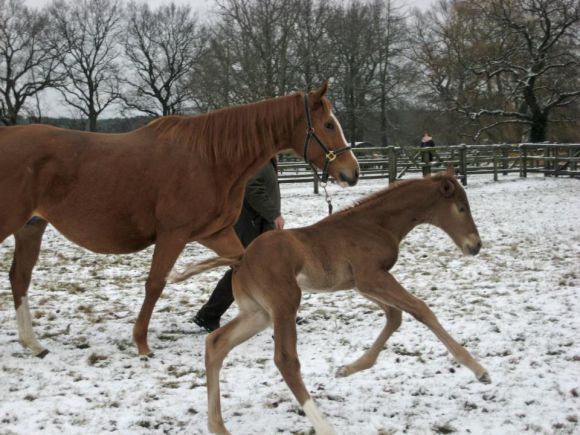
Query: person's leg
{"x": 208, "y": 317}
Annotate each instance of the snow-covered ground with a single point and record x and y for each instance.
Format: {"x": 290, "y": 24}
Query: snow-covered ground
{"x": 516, "y": 307}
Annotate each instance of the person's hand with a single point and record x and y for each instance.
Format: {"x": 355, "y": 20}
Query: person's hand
{"x": 279, "y": 223}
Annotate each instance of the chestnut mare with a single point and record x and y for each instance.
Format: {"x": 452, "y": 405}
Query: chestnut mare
{"x": 354, "y": 248}
{"x": 176, "y": 180}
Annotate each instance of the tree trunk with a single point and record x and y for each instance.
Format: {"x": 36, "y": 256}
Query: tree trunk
{"x": 538, "y": 132}
{"x": 384, "y": 138}
{"x": 93, "y": 122}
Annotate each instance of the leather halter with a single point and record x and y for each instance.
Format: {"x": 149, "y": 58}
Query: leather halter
{"x": 329, "y": 155}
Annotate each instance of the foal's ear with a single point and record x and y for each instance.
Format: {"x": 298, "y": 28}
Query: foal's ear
{"x": 450, "y": 169}
{"x": 447, "y": 187}
{"x": 317, "y": 94}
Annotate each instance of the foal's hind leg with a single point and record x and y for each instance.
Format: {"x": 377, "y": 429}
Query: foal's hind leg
{"x": 217, "y": 345}
{"x": 286, "y": 359}
{"x": 27, "y": 247}
{"x": 368, "y": 359}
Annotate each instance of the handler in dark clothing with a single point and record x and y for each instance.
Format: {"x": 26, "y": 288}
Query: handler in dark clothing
{"x": 427, "y": 157}
{"x": 260, "y": 213}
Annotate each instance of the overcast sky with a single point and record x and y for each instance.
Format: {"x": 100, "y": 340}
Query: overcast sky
{"x": 51, "y": 102}
{"x": 204, "y": 5}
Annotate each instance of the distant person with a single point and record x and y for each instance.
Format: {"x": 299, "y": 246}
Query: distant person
{"x": 260, "y": 213}
{"x": 426, "y": 158}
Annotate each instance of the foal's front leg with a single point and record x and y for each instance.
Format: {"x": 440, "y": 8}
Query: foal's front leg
{"x": 382, "y": 286}
{"x": 369, "y": 358}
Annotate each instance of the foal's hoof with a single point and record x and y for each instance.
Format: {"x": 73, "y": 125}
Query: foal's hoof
{"x": 42, "y": 354}
{"x": 342, "y": 372}
{"x": 145, "y": 357}
{"x": 484, "y": 378}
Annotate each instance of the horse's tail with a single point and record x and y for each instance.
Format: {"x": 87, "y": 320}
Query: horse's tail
{"x": 197, "y": 268}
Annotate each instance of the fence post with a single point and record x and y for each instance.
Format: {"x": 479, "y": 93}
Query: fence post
{"x": 505, "y": 155}
{"x": 494, "y": 163}
{"x": 463, "y": 163}
{"x": 546, "y": 162}
{"x": 425, "y": 159}
{"x": 524, "y": 160}
{"x": 392, "y": 164}
{"x": 556, "y": 162}
{"x": 315, "y": 182}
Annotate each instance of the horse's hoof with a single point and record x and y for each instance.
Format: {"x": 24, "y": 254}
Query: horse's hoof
{"x": 484, "y": 378}
{"x": 42, "y": 354}
{"x": 218, "y": 429}
{"x": 342, "y": 372}
{"x": 146, "y": 356}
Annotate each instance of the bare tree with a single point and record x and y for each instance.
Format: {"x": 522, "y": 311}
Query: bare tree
{"x": 263, "y": 32}
{"x": 90, "y": 31}
{"x": 394, "y": 72}
{"x": 311, "y": 53}
{"x": 215, "y": 81}
{"x": 28, "y": 57}
{"x": 503, "y": 61}
{"x": 353, "y": 34}
{"x": 163, "y": 47}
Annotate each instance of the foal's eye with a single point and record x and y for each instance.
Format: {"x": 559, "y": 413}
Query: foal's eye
{"x": 329, "y": 126}
{"x": 462, "y": 209}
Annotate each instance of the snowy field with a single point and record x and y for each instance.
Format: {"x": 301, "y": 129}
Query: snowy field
{"x": 516, "y": 307}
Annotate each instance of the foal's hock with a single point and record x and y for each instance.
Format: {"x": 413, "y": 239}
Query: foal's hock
{"x": 354, "y": 248}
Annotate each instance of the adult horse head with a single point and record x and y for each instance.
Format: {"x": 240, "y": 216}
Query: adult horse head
{"x": 330, "y": 151}
{"x": 176, "y": 180}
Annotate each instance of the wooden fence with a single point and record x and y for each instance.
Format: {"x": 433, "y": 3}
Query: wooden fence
{"x": 393, "y": 163}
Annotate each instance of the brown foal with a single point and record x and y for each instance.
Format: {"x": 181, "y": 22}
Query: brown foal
{"x": 176, "y": 180}
{"x": 354, "y": 248}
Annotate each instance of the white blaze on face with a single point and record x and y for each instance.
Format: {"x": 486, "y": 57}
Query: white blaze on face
{"x": 339, "y": 128}
{"x": 321, "y": 426}
{"x": 25, "y": 332}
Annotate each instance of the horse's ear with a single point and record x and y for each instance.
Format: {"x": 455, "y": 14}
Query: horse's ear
{"x": 447, "y": 187}
{"x": 317, "y": 94}
{"x": 450, "y": 169}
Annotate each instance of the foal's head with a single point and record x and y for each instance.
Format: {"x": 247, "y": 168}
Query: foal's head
{"x": 337, "y": 159}
{"x": 453, "y": 215}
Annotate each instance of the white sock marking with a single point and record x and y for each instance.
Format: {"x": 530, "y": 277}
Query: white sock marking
{"x": 321, "y": 426}
{"x": 25, "y": 332}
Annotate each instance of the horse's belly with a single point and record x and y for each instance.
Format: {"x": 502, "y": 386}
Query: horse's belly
{"x": 103, "y": 237}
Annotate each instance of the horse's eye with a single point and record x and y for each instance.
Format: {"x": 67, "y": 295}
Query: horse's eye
{"x": 329, "y": 126}
{"x": 462, "y": 209}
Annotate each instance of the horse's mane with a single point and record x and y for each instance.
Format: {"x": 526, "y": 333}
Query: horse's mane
{"x": 234, "y": 132}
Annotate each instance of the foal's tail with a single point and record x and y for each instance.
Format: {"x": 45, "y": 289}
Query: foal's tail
{"x": 197, "y": 268}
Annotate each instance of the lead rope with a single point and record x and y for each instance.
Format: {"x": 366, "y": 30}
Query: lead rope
{"x": 327, "y": 198}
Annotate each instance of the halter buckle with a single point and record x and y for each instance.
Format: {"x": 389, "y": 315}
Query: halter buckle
{"x": 331, "y": 156}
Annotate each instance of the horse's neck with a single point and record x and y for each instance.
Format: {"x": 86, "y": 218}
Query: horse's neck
{"x": 404, "y": 208}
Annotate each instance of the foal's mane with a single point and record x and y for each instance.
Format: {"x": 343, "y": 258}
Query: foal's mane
{"x": 386, "y": 193}
{"x": 234, "y": 132}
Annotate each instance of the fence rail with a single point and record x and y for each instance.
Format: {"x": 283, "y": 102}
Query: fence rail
{"x": 393, "y": 163}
